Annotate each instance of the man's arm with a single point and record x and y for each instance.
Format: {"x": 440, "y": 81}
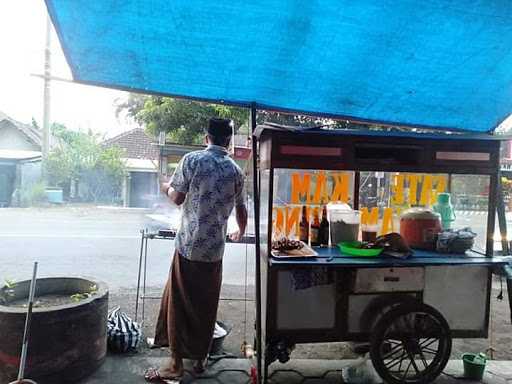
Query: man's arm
{"x": 241, "y": 220}
{"x": 176, "y": 189}
{"x": 174, "y": 196}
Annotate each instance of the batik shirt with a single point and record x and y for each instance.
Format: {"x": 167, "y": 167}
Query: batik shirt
{"x": 213, "y": 185}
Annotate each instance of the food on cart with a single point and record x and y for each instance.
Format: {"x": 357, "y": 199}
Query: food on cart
{"x": 369, "y": 232}
{"x": 284, "y": 244}
{"x": 344, "y": 231}
{"x": 419, "y": 228}
{"x": 394, "y": 245}
{"x": 285, "y": 247}
{"x": 455, "y": 241}
{"x": 344, "y": 223}
{"x": 359, "y": 248}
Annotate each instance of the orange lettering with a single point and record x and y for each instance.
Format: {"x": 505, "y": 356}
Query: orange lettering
{"x": 292, "y": 220}
{"x": 387, "y": 221}
{"x": 321, "y": 196}
{"x": 397, "y": 190}
{"x": 340, "y": 189}
{"x": 426, "y": 190}
{"x": 369, "y": 217}
{"x": 413, "y": 188}
{"x": 301, "y": 187}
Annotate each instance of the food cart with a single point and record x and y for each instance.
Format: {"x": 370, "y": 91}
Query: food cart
{"x": 409, "y": 310}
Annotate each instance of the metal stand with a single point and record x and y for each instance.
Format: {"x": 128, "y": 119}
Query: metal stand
{"x": 141, "y": 297}
{"x": 143, "y": 258}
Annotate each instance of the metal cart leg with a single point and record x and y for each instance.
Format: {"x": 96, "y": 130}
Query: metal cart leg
{"x": 491, "y": 216}
{"x": 144, "y": 279}
{"x": 142, "y": 239}
{"x": 502, "y": 219}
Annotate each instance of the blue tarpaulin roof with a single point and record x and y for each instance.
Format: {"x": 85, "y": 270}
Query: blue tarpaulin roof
{"x": 433, "y": 63}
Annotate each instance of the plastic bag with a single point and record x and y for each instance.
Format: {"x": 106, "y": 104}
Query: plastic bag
{"x": 123, "y": 334}
{"x": 361, "y": 372}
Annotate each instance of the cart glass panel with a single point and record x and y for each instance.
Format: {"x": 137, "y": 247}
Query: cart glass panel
{"x": 383, "y": 198}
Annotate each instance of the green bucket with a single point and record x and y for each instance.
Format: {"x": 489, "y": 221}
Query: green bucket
{"x": 474, "y": 365}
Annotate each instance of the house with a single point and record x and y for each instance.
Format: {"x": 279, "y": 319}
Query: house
{"x": 20, "y": 157}
{"x": 171, "y": 154}
{"x": 140, "y": 186}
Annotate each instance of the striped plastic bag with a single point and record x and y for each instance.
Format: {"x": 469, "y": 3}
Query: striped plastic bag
{"x": 123, "y": 334}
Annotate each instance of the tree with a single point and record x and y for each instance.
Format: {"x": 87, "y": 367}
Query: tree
{"x": 184, "y": 120}
{"x": 80, "y": 159}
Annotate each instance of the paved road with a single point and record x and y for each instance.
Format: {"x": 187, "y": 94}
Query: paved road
{"x": 101, "y": 243}
{"x": 104, "y": 243}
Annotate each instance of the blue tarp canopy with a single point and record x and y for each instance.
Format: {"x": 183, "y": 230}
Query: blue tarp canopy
{"x": 433, "y": 63}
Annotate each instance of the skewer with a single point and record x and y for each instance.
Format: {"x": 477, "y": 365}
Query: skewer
{"x": 26, "y": 332}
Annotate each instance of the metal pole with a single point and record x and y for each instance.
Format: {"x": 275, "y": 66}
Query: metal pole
{"x": 502, "y": 220}
{"x": 144, "y": 278}
{"x": 142, "y": 239}
{"x": 28, "y": 321}
{"x": 357, "y": 186}
{"x": 491, "y": 213}
{"x": 46, "y": 94}
{"x": 256, "y": 198}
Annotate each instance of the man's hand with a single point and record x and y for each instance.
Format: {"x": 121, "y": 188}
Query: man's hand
{"x": 236, "y": 236}
{"x": 174, "y": 196}
{"x": 241, "y": 220}
{"x": 164, "y": 185}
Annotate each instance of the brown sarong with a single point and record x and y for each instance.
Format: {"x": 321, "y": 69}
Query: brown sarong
{"x": 189, "y": 308}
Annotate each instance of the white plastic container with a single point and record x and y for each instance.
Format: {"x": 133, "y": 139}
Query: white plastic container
{"x": 343, "y": 222}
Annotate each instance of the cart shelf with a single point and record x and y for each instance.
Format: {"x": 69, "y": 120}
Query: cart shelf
{"x": 332, "y": 257}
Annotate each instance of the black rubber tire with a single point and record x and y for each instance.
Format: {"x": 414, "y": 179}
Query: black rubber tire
{"x": 378, "y": 342}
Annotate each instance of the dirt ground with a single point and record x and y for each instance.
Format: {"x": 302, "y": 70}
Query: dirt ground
{"x": 232, "y": 312}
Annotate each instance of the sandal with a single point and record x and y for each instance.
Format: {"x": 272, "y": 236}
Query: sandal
{"x": 152, "y": 375}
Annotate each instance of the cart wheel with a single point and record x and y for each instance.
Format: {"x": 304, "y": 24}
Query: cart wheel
{"x": 410, "y": 344}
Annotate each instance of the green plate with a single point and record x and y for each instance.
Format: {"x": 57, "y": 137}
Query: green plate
{"x": 352, "y": 248}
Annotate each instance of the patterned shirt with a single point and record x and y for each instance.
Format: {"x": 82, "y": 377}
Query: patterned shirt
{"x": 213, "y": 184}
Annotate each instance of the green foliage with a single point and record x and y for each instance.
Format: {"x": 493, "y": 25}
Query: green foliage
{"x": 79, "y": 157}
{"x": 34, "y": 195}
{"x": 93, "y": 290}
{"x": 34, "y": 124}
{"x": 8, "y": 291}
{"x": 185, "y": 120}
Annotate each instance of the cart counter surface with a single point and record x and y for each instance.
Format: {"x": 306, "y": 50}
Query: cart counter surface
{"x": 332, "y": 256}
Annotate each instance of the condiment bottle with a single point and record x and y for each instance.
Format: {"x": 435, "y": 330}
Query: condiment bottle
{"x": 315, "y": 229}
{"x": 304, "y": 226}
{"x": 323, "y": 234}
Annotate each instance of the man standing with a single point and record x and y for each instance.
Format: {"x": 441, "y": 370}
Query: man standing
{"x": 208, "y": 184}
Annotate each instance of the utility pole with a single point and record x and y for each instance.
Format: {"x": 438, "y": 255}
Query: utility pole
{"x": 46, "y": 96}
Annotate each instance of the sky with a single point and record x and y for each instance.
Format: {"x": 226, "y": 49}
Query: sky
{"x": 22, "y": 41}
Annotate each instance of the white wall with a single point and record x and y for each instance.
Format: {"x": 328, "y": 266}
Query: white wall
{"x": 12, "y": 138}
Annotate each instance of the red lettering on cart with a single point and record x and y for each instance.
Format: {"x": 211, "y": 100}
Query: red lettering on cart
{"x": 302, "y": 150}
